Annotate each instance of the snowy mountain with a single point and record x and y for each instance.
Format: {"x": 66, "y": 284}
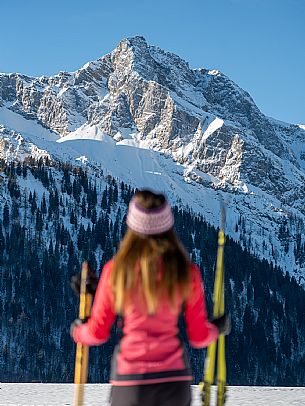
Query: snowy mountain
{"x": 143, "y": 116}
{"x": 72, "y": 149}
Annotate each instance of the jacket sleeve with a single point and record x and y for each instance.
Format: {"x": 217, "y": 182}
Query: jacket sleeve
{"x": 97, "y": 329}
{"x": 200, "y": 332}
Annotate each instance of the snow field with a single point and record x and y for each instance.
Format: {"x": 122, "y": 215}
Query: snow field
{"x": 39, "y": 394}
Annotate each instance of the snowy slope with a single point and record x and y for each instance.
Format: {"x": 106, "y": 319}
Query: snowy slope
{"x": 98, "y": 394}
{"x": 134, "y": 163}
{"x": 142, "y": 115}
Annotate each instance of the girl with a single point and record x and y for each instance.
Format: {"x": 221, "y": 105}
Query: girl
{"x": 149, "y": 283}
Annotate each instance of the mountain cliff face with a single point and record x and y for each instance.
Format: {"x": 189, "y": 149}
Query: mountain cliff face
{"x": 142, "y": 97}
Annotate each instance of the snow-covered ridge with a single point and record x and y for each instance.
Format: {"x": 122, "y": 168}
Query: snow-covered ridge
{"x": 142, "y": 115}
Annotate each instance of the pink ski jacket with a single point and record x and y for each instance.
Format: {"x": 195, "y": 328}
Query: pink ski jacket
{"x": 150, "y": 350}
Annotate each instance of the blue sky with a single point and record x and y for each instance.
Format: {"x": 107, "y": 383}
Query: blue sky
{"x": 260, "y": 44}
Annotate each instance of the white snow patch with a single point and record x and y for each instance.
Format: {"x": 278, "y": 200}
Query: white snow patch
{"x": 20, "y": 124}
{"x": 213, "y": 126}
{"x": 128, "y": 142}
{"x": 154, "y": 173}
{"x": 213, "y": 72}
{"x": 86, "y": 132}
{"x": 83, "y": 159}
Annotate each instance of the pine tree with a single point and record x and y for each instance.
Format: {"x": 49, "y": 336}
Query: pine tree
{"x": 72, "y": 218}
{"x": 104, "y": 199}
{"x": 15, "y": 211}
{"x": 39, "y": 221}
{"x": 33, "y": 203}
{"x": 93, "y": 215}
{"x": 2, "y": 244}
{"x": 43, "y": 206}
{"x": 84, "y": 210}
{"x": 6, "y": 215}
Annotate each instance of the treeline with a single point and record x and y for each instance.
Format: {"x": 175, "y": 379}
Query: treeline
{"x": 54, "y": 215}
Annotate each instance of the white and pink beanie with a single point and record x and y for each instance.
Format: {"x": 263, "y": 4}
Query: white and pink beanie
{"x": 149, "y": 221}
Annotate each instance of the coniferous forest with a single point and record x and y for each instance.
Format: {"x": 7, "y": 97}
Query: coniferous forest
{"x": 53, "y": 215}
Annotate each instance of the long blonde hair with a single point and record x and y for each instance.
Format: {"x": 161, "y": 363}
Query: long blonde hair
{"x": 138, "y": 260}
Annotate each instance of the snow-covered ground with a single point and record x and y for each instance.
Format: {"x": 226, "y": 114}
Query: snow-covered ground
{"x": 37, "y": 394}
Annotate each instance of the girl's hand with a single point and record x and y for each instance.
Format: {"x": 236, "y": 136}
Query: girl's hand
{"x": 91, "y": 285}
{"x": 76, "y": 322}
{"x": 223, "y": 323}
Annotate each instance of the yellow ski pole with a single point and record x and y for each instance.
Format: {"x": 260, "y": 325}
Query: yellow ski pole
{"x": 218, "y": 310}
{"x": 221, "y": 359}
{"x": 82, "y": 351}
{"x": 210, "y": 360}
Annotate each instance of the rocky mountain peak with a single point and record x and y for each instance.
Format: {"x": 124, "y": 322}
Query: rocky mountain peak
{"x": 132, "y": 55}
{"x": 137, "y": 44}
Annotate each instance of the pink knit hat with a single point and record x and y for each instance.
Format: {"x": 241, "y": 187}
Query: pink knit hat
{"x": 149, "y": 221}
